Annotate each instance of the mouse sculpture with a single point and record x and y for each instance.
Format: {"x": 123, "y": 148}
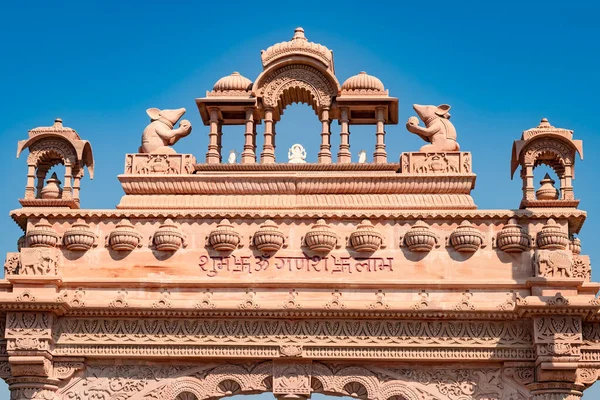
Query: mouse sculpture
{"x": 160, "y": 134}
{"x": 438, "y": 130}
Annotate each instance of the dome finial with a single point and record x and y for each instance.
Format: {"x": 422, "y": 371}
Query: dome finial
{"x": 299, "y": 34}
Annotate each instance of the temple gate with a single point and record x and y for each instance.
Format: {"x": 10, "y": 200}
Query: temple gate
{"x": 377, "y": 280}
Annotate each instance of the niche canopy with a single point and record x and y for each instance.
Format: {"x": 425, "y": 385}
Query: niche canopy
{"x": 49, "y": 146}
{"x": 296, "y": 71}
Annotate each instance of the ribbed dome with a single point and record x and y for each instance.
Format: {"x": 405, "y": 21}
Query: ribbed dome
{"x": 235, "y": 81}
{"x": 363, "y": 82}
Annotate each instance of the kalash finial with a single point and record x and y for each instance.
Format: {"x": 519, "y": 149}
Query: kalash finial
{"x": 544, "y": 123}
{"x": 58, "y": 123}
{"x": 299, "y": 34}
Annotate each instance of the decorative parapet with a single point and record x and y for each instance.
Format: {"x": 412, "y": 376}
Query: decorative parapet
{"x": 436, "y": 163}
{"x": 161, "y": 164}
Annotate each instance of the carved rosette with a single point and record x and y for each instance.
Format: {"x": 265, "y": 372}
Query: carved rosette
{"x": 365, "y": 239}
{"x": 124, "y": 237}
{"x": 575, "y": 246}
{"x": 80, "y": 237}
{"x": 168, "y": 237}
{"x": 268, "y": 238}
{"x": 42, "y": 235}
{"x": 420, "y": 238}
{"x": 552, "y": 237}
{"x": 465, "y": 238}
{"x": 321, "y": 238}
{"x": 224, "y": 238}
{"x": 512, "y": 238}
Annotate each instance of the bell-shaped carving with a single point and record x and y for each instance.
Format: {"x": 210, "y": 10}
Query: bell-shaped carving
{"x": 124, "y": 237}
{"x": 42, "y": 235}
{"x": 552, "y": 237}
{"x": 52, "y": 190}
{"x": 365, "y": 239}
{"x": 224, "y": 238}
{"x": 575, "y": 246}
{"x": 512, "y": 238}
{"x": 168, "y": 237}
{"x": 268, "y": 237}
{"x": 79, "y": 237}
{"x": 465, "y": 238}
{"x": 420, "y": 238}
{"x": 547, "y": 191}
{"x": 321, "y": 238}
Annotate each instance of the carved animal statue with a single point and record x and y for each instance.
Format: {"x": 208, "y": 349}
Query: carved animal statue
{"x": 438, "y": 129}
{"x": 556, "y": 264}
{"x": 160, "y": 134}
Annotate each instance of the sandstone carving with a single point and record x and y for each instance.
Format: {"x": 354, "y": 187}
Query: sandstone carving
{"x": 124, "y": 237}
{"x": 575, "y": 246}
{"x": 160, "y": 134}
{"x": 224, "y": 237}
{"x": 321, "y": 238}
{"x": 168, "y": 237}
{"x": 466, "y": 238}
{"x": 42, "y": 235}
{"x": 420, "y": 238}
{"x": 552, "y": 236}
{"x": 79, "y": 237}
{"x": 547, "y": 191}
{"x": 438, "y": 130}
{"x": 512, "y": 238}
{"x": 557, "y": 263}
{"x": 268, "y": 238}
{"x": 365, "y": 239}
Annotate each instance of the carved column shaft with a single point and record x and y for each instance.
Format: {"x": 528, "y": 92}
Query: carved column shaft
{"x": 41, "y": 173}
{"x": 249, "y": 153}
{"x": 528, "y": 185}
{"x": 67, "y": 189}
{"x": 268, "y": 154}
{"x": 566, "y": 187}
{"x": 380, "y": 155}
{"x": 213, "y": 156}
{"x": 344, "y": 156}
{"x": 77, "y": 183}
{"x": 219, "y": 140}
{"x": 28, "y": 389}
{"x": 30, "y": 187}
{"x": 325, "y": 150}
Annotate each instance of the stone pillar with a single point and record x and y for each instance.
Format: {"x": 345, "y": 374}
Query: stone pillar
{"x": 380, "y": 155}
{"x": 325, "y": 150}
{"x": 249, "y": 153}
{"x": 213, "y": 156}
{"x": 566, "y": 189}
{"x": 219, "y": 140}
{"x": 344, "y": 156}
{"x": 67, "y": 193}
{"x": 77, "y": 182}
{"x": 528, "y": 184}
{"x": 268, "y": 154}
{"x": 30, "y": 187}
{"x": 41, "y": 173}
{"x": 555, "y": 391}
{"x": 28, "y": 388}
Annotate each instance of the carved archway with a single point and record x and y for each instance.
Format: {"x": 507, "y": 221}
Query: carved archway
{"x": 298, "y": 83}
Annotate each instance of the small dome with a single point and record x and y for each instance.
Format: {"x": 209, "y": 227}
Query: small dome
{"x": 235, "y": 81}
{"x": 363, "y": 82}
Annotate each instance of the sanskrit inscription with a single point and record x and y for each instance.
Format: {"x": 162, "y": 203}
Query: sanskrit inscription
{"x": 249, "y": 264}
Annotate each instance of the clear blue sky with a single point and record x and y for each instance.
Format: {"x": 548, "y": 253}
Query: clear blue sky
{"x": 501, "y": 65}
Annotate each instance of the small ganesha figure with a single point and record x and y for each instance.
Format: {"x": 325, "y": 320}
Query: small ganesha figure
{"x": 160, "y": 134}
{"x": 297, "y": 154}
{"x": 438, "y": 130}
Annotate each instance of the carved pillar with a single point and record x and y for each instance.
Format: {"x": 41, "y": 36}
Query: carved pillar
{"x": 78, "y": 174}
{"x": 28, "y": 343}
{"x": 30, "y": 187}
{"x": 528, "y": 185}
{"x": 380, "y": 155}
{"x": 67, "y": 193}
{"x": 249, "y": 153}
{"x": 555, "y": 391}
{"x": 344, "y": 156}
{"x": 268, "y": 154}
{"x": 213, "y": 156}
{"x": 219, "y": 140}
{"x": 325, "y": 151}
{"x": 566, "y": 188}
{"x": 41, "y": 173}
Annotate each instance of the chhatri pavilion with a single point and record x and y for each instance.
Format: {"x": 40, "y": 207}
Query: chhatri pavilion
{"x": 218, "y": 275}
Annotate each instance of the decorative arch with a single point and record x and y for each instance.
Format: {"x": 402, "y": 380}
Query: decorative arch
{"x": 282, "y": 86}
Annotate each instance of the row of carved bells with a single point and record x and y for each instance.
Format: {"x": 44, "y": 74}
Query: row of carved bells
{"x": 321, "y": 238}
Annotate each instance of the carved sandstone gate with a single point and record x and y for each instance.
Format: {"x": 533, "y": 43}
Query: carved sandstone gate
{"x": 377, "y": 280}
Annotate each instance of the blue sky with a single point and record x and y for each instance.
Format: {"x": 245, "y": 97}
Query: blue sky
{"x": 501, "y": 65}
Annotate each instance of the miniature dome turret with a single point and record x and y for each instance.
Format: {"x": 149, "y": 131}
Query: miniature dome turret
{"x": 299, "y": 45}
{"x": 363, "y": 83}
{"x": 233, "y": 82}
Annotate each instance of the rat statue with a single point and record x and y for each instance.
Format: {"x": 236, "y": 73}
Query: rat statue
{"x": 438, "y": 130}
{"x": 160, "y": 133}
